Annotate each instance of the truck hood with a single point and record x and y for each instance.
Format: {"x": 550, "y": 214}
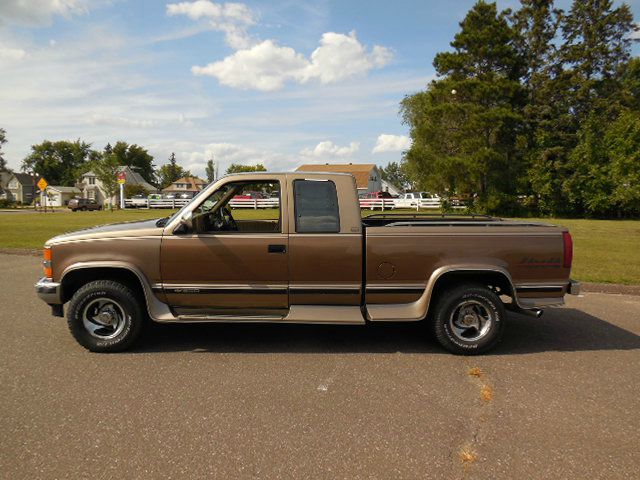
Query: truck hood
{"x": 116, "y": 230}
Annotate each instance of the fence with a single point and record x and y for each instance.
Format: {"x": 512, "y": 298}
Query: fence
{"x": 402, "y": 203}
{"x": 257, "y": 203}
{"x": 156, "y": 203}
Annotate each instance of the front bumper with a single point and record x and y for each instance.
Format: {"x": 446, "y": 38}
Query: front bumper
{"x": 573, "y": 288}
{"x": 49, "y": 291}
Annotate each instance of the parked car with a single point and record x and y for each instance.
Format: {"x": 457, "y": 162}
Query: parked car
{"x": 138, "y": 201}
{"x": 372, "y": 200}
{"x": 413, "y": 199}
{"x": 83, "y": 204}
{"x": 315, "y": 261}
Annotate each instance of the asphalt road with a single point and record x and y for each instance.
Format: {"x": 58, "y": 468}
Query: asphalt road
{"x": 557, "y": 399}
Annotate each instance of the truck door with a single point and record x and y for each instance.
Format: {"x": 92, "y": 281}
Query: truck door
{"x": 325, "y": 241}
{"x": 235, "y": 258}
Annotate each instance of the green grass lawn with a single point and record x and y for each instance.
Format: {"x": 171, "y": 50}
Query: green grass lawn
{"x": 31, "y": 230}
{"x": 606, "y": 251}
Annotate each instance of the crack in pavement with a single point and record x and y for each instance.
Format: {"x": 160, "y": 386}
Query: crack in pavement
{"x": 468, "y": 452}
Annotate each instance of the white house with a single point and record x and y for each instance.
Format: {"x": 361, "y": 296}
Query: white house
{"x": 60, "y": 196}
{"x": 91, "y": 187}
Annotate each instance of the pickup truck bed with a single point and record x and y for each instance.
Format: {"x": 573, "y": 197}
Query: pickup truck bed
{"x": 311, "y": 259}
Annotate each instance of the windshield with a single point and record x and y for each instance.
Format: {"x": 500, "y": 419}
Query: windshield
{"x": 179, "y": 212}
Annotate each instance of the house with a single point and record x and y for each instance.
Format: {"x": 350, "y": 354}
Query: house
{"x": 60, "y": 196}
{"x": 366, "y": 174}
{"x": 186, "y": 185}
{"x": 21, "y": 187}
{"x": 91, "y": 187}
{"x": 391, "y": 188}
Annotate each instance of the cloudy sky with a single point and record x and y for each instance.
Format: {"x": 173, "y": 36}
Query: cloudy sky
{"x": 281, "y": 82}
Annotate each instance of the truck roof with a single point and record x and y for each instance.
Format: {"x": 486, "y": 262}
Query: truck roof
{"x": 301, "y": 174}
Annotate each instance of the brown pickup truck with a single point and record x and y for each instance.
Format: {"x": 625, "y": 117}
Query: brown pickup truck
{"x": 302, "y": 253}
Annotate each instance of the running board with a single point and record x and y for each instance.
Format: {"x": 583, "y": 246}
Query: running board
{"x": 316, "y": 314}
{"x": 229, "y": 318}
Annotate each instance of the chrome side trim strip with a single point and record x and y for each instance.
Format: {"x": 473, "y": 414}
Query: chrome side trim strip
{"x": 460, "y": 234}
{"x": 539, "y": 288}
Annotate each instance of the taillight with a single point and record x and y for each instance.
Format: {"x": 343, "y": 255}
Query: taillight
{"x": 46, "y": 262}
{"x": 568, "y": 249}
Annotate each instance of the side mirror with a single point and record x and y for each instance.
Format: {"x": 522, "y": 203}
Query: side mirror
{"x": 187, "y": 220}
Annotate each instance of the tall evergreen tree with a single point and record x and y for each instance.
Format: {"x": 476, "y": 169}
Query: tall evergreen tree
{"x": 3, "y": 140}
{"x": 210, "y": 170}
{"x": 597, "y": 41}
{"x": 170, "y": 172}
{"x": 467, "y": 125}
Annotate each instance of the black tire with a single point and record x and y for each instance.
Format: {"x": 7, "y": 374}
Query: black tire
{"x": 105, "y": 316}
{"x": 472, "y": 338}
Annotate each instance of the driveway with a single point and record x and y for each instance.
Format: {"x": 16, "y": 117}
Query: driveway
{"x": 557, "y": 399}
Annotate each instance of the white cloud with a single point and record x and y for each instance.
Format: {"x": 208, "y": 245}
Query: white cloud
{"x": 636, "y": 33}
{"x": 11, "y": 54}
{"x": 267, "y": 66}
{"x": 340, "y": 56}
{"x": 391, "y": 143}
{"x": 100, "y": 119}
{"x": 328, "y": 149}
{"x": 233, "y": 19}
{"x": 37, "y": 12}
{"x": 195, "y": 158}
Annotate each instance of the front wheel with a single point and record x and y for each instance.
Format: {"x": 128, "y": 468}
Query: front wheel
{"x": 105, "y": 316}
{"x": 469, "y": 319}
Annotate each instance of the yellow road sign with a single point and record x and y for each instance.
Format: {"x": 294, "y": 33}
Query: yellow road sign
{"x": 42, "y": 184}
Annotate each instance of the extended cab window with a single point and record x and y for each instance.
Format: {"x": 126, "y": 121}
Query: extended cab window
{"x": 316, "y": 206}
{"x": 244, "y": 207}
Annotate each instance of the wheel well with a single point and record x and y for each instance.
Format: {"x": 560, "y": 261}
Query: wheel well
{"x": 75, "y": 279}
{"x": 496, "y": 281}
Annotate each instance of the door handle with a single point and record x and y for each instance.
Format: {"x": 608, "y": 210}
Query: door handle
{"x": 277, "y": 248}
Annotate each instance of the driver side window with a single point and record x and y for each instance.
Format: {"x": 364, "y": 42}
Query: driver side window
{"x": 241, "y": 207}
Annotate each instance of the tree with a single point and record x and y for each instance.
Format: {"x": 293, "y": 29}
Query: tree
{"x": 60, "y": 163}
{"x": 622, "y": 143}
{"x": 395, "y": 174}
{"x": 210, "y": 170}
{"x": 106, "y": 167}
{"x": 238, "y": 168}
{"x": 136, "y": 157}
{"x": 131, "y": 190}
{"x": 466, "y": 126}
{"x": 595, "y": 52}
{"x": 170, "y": 172}
{"x": 3, "y": 140}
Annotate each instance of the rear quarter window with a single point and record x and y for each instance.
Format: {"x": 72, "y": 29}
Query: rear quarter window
{"x": 316, "y": 206}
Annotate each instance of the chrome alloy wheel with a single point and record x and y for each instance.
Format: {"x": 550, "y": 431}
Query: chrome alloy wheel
{"x": 103, "y": 318}
{"x": 470, "y": 321}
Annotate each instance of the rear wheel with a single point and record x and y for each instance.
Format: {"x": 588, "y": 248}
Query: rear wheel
{"x": 469, "y": 319}
{"x": 105, "y": 316}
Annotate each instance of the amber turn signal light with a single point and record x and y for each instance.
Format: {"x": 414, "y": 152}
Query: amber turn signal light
{"x": 46, "y": 262}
